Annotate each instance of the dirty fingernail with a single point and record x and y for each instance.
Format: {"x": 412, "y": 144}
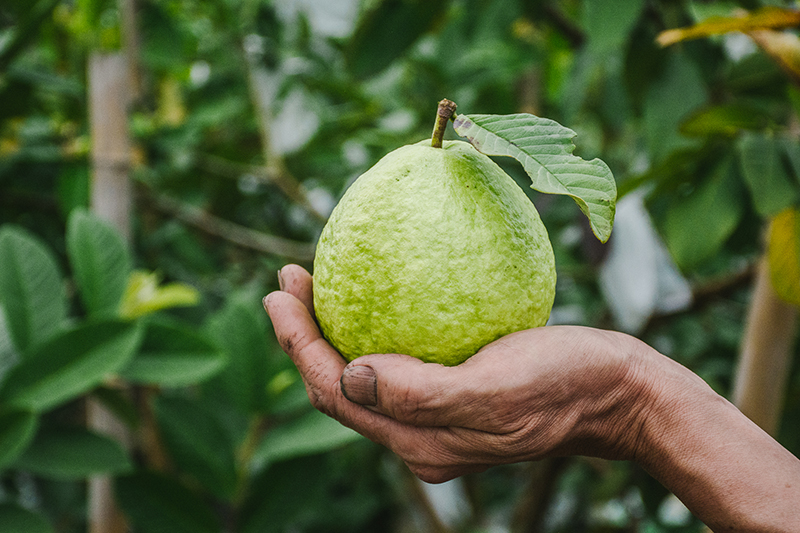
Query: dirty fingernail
{"x": 359, "y": 384}
{"x": 265, "y": 302}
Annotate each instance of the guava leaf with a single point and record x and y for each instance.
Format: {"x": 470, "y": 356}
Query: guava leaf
{"x": 544, "y": 148}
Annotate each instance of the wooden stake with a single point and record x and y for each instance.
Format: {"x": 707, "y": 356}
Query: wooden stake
{"x": 763, "y": 371}
{"x": 111, "y": 200}
{"x": 111, "y": 146}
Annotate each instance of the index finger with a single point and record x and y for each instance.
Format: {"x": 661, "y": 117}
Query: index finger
{"x": 321, "y": 368}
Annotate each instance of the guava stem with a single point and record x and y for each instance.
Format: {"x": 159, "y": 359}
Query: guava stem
{"x": 446, "y": 111}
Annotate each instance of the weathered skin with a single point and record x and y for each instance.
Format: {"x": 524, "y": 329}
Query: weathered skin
{"x": 434, "y": 253}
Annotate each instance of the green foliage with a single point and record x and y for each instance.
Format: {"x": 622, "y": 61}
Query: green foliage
{"x": 31, "y": 289}
{"x": 156, "y": 503}
{"x": 15, "y": 519}
{"x": 714, "y": 207}
{"x": 100, "y": 260}
{"x": 308, "y": 435}
{"x": 173, "y": 355}
{"x": 72, "y": 453}
{"x": 70, "y": 364}
{"x": 256, "y": 115}
{"x": 17, "y": 428}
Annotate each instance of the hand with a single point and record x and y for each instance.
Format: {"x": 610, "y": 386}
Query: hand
{"x": 546, "y": 392}
{"x": 532, "y": 394}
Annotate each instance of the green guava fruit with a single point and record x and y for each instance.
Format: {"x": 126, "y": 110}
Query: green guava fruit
{"x": 433, "y": 253}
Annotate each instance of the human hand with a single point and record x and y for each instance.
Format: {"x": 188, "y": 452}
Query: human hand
{"x": 546, "y": 392}
{"x": 537, "y": 393}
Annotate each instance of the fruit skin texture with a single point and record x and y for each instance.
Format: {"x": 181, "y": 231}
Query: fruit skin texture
{"x": 433, "y": 253}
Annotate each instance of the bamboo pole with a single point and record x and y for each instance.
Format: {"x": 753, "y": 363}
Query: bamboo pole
{"x": 111, "y": 200}
{"x": 111, "y": 147}
{"x": 763, "y": 371}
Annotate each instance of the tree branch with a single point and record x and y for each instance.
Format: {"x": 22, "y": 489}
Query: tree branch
{"x": 235, "y": 233}
{"x": 292, "y": 188}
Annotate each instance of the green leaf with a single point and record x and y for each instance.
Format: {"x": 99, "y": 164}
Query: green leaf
{"x": 308, "y": 435}
{"x": 70, "y": 364}
{"x": 669, "y": 100}
{"x": 241, "y": 331}
{"x": 172, "y": 355}
{"x": 73, "y": 187}
{"x": 198, "y": 443}
{"x": 31, "y": 288}
{"x": 388, "y": 30}
{"x": 544, "y": 148}
{"x": 157, "y": 504}
{"x": 792, "y": 152}
{"x": 712, "y": 210}
{"x": 609, "y": 23}
{"x": 100, "y": 262}
{"x": 143, "y": 295}
{"x": 15, "y": 519}
{"x": 16, "y": 431}
{"x": 725, "y": 120}
{"x": 770, "y": 185}
{"x": 73, "y": 453}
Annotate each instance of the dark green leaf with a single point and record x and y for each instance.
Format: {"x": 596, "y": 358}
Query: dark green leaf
{"x": 668, "y": 102}
{"x": 31, "y": 288}
{"x": 388, "y": 30}
{"x": 198, "y": 443}
{"x": 792, "y": 153}
{"x": 725, "y": 120}
{"x": 156, "y": 504}
{"x": 73, "y": 453}
{"x": 15, "y": 519}
{"x": 100, "y": 262}
{"x": 70, "y": 364}
{"x": 73, "y": 188}
{"x": 311, "y": 434}
{"x": 544, "y": 148}
{"x": 172, "y": 355}
{"x": 608, "y": 24}
{"x": 698, "y": 224}
{"x": 241, "y": 331}
{"x": 770, "y": 186}
{"x": 16, "y": 431}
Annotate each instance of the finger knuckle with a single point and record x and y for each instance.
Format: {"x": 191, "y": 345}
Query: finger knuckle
{"x": 414, "y": 406}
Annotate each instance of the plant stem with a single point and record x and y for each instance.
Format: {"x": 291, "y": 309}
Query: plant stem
{"x": 445, "y": 112}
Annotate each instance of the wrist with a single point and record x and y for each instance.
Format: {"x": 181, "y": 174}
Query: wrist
{"x": 730, "y": 473}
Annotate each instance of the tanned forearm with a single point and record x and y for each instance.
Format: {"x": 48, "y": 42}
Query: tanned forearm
{"x": 729, "y": 472}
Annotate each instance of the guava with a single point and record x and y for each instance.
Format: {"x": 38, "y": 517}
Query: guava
{"x": 433, "y": 253}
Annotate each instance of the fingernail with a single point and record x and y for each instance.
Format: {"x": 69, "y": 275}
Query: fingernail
{"x": 280, "y": 280}
{"x": 265, "y": 302}
{"x": 359, "y": 384}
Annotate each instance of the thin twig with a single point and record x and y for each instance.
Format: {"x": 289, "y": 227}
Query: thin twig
{"x": 275, "y": 167}
{"x": 235, "y": 233}
{"x": 293, "y": 189}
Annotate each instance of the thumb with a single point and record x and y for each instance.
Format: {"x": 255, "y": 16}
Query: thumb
{"x": 412, "y": 391}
